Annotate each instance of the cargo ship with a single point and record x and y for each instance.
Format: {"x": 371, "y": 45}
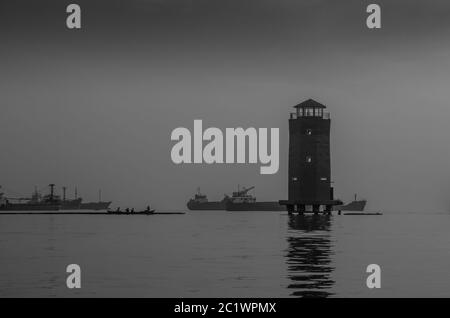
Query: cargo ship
{"x": 36, "y": 202}
{"x": 78, "y": 204}
{"x": 50, "y": 202}
{"x": 241, "y": 200}
{"x": 67, "y": 204}
{"x": 95, "y": 206}
{"x": 200, "y": 202}
{"x": 355, "y": 205}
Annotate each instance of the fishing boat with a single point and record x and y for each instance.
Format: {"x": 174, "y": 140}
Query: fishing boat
{"x": 147, "y": 211}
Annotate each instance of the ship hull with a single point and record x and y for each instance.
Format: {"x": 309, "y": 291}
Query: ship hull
{"x": 71, "y": 204}
{"x": 256, "y": 206}
{"x": 212, "y": 206}
{"x": 29, "y": 207}
{"x": 352, "y": 206}
{"x": 95, "y": 206}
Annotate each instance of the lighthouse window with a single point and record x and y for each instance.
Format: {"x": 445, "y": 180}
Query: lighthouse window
{"x": 309, "y": 132}
{"x": 308, "y": 159}
{"x": 323, "y": 179}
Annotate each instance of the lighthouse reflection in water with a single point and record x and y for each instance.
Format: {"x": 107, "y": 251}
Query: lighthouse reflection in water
{"x": 309, "y": 256}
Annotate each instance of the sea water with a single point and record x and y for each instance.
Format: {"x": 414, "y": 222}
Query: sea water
{"x": 225, "y": 254}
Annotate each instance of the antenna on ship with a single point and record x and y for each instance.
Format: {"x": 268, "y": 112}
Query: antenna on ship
{"x": 76, "y": 193}
{"x": 64, "y": 193}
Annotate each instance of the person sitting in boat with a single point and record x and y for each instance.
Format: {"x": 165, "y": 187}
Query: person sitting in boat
{"x": 132, "y": 210}
{"x": 118, "y": 210}
{"x": 148, "y": 208}
{"x": 127, "y": 210}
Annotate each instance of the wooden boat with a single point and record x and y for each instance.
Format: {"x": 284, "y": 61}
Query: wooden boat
{"x": 145, "y": 212}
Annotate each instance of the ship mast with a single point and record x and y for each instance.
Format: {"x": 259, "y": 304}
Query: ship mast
{"x": 52, "y": 190}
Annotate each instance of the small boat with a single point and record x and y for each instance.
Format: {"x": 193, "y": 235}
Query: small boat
{"x": 131, "y": 212}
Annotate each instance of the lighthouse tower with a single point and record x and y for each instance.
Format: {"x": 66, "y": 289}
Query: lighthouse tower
{"x": 309, "y": 160}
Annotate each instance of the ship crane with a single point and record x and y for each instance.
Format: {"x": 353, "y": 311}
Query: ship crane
{"x": 243, "y": 192}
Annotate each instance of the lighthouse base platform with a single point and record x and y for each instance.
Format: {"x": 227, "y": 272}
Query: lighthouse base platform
{"x": 310, "y": 206}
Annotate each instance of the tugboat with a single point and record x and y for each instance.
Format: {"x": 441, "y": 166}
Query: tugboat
{"x": 50, "y": 202}
{"x": 200, "y": 202}
{"x": 241, "y": 200}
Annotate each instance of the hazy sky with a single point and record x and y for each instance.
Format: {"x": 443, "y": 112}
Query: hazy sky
{"x": 95, "y": 107}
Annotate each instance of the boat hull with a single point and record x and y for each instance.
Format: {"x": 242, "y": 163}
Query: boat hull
{"x": 352, "y": 206}
{"x": 212, "y": 206}
{"x": 95, "y": 206}
{"x": 71, "y": 204}
{"x": 256, "y": 206}
{"x": 29, "y": 207}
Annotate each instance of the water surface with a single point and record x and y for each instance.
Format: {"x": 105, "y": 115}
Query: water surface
{"x": 225, "y": 254}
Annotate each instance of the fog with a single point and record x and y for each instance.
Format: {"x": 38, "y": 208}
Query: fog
{"x": 94, "y": 108}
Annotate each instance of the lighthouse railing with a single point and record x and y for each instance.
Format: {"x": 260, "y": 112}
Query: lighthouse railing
{"x": 323, "y": 115}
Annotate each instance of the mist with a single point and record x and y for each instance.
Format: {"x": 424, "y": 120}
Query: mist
{"x": 94, "y": 108}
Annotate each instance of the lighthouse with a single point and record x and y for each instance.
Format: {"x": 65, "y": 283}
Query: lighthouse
{"x": 309, "y": 181}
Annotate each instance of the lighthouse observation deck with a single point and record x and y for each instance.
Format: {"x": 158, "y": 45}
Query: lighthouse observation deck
{"x": 310, "y": 108}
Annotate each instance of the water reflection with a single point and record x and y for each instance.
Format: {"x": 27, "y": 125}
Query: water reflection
{"x": 309, "y": 255}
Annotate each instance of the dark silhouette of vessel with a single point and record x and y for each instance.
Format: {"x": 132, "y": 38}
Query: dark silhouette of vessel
{"x": 67, "y": 204}
{"x": 355, "y": 205}
{"x": 241, "y": 200}
{"x": 200, "y": 202}
{"x": 147, "y": 211}
{"x": 36, "y": 202}
{"x": 100, "y": 205}
{"x": 78, "y": 204}
{"x": 50, "y": 202}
